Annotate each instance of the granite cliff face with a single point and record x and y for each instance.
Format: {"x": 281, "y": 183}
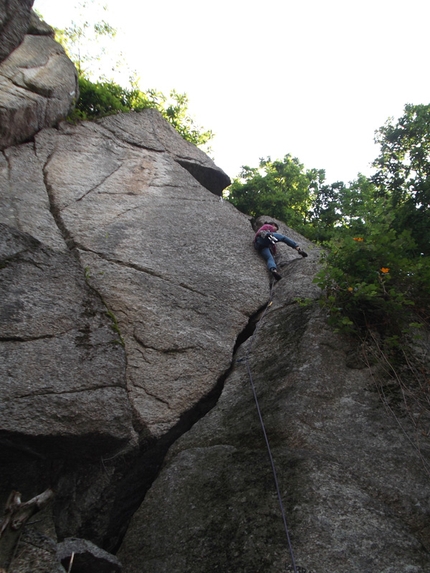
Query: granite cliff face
{"x": 135, "y": 320}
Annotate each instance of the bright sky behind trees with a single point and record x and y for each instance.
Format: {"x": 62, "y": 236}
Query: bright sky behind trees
{"x": 313, "y": 78}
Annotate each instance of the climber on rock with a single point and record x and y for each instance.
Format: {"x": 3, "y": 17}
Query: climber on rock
{"x": 265, "y": 243}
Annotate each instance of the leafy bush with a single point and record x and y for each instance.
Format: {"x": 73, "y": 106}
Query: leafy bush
{"x": 99, "y": 99}
{"x": 377, "y": 269}
{"x": 370, "y": 282}
{"x": 102, "y": 98}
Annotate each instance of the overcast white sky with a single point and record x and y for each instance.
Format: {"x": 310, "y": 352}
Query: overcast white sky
{"x": 313, "y": 78}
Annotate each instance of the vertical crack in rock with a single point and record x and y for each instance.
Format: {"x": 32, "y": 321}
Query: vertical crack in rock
{"x": 55, "y": 211}
{"x": 143, "y": 468}
{"x": 249, "y": 329}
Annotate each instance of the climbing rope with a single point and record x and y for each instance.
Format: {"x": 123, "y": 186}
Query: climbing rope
{"x": 269, "y": 451}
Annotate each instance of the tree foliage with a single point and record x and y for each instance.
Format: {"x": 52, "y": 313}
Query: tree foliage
{"x": 372, "y": 280}
{"x": 282, "y": 188}
{"x": 99, "y": 99}
{"x": 377, "y": 271}
{"x": 403, "y": 171}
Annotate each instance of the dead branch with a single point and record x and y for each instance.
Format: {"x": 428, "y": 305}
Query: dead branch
{"x": 17, "y": 513}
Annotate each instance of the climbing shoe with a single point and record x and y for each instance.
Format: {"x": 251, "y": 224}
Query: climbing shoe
{"x": 299, "y": 250}
{"x": 275, "y": 274}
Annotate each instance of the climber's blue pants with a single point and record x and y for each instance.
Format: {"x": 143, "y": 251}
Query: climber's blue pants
{"x": 263, "y": 247}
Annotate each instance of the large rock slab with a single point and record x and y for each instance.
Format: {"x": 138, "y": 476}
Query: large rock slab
{"x": 173, "y": 267}
{"x": 62, "y": 364}
{"x": 353, "y": 488}
{"x": 165, "y": 255}
{"x": 38, "y": 88}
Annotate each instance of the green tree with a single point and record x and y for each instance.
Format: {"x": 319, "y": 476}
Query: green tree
{"x": 325, "y": 212}
{"x": 283, "y": 189}
{"x": 377, "y": 271}
{"x": 403, "y": 171}
{"x": 370, "y": 278}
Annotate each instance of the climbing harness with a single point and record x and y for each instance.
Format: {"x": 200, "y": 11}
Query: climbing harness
{"x": 272, "y": 463}
{"x": 267, "y": 235}
{"x": 272, "y": 239}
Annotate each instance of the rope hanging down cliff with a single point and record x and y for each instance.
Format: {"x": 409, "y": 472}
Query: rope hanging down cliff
{"x": 269, "y": 451}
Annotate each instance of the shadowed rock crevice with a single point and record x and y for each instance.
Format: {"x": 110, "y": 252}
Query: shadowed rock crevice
{"x": 143, "y": 468}
{"x": 249, "y": 330}
{"x": 136, "y": 471}
{"x": 52, "y": 448}
{"x": 211, "y": 179}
